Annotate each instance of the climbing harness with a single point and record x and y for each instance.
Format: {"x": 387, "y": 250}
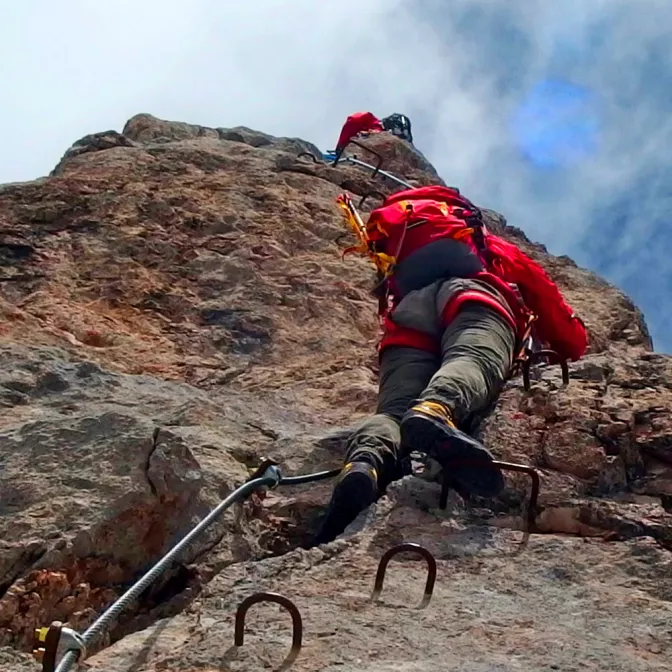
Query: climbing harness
{"x": 59, "y": 647}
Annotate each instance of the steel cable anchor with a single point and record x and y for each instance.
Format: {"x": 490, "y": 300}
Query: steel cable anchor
{"x": 50, "y": 644}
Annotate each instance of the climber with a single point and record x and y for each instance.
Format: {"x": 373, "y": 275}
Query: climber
{"x": 365, "y": 123}
{"x": 457, "y": 305}
{"x": 357, "y": 124}
{"x": 399, "y": 125}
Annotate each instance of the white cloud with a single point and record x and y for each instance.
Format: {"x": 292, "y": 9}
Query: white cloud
{"x": 297, "y": 67}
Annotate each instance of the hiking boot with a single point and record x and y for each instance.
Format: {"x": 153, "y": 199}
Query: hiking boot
{"x": 429, "y": 428}
{"x": 356, "y": 488}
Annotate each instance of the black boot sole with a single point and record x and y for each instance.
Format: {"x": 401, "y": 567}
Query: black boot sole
{"x": 446, "y": 445}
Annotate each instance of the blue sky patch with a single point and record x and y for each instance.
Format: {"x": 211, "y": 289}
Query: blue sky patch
{"x": 556, "y": 124}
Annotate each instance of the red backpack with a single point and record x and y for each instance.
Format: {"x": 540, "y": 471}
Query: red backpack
{"x": 357, "y": 123}
{"x": 409, "y": 219}
{"x": 556, "y": 322}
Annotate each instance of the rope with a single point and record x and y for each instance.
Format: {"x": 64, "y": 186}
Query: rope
{"x": 270, "y": 478}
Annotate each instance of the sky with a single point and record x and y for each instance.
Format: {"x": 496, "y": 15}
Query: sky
{"x": 557, "y": 114}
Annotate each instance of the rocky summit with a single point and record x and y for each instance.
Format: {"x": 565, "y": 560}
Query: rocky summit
{"x": 173, "y": 310}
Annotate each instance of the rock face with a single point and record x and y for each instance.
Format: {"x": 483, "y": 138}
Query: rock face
{"x": 173, "y": 309}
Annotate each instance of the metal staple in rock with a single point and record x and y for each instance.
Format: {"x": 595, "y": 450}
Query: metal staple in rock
{"x": 58, "y": 636}
{"x": 297, "y": 623}
{"x": 403, "y": 548}
{"x": 376, "y": 170}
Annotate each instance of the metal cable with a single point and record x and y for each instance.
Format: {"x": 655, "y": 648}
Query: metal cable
{"x": 310, "y": 478}
{"x": 271, "y": 478}
{"x": 394, "y": 178}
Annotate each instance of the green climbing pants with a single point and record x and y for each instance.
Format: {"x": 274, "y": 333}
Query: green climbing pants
{"x": 477, "y": 350}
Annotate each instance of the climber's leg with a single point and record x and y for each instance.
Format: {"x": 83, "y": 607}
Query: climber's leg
{"x": 372, "y": 458}
{"x": 404, "y": 374}
{"x": 477, "y": 353}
